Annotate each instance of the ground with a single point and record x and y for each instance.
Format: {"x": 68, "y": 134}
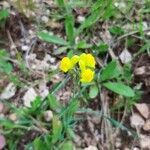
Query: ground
{"x": 64, "y": 113}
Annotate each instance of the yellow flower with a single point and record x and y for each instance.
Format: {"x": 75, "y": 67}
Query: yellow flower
{"x": 65, "y": 64}
{"x": 87, "y": 75}
{"x": 86, "y": 60}
{"x": 74, "y": 60}
{"x": 90, "y": 61}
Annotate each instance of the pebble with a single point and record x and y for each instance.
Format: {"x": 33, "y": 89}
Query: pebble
{"x": 80, "y": 19}
{"x": 25, "y": 48}
{"x": 8, "y": 92}
{"x": 44, "y": 19}
{"x": 29, "y": 96}
{"x": 136, "y": 121}
{"x": 91, "y": 148}
{"x": 118, "y": 143}
{"x": 12, "y": 117}
{"x": 48, "y": 115}
{"x": 143, "y": 108}
{"x": 146, "y": 126}
{"x": 136, "y": 148}
{"x": 125, "y": 56}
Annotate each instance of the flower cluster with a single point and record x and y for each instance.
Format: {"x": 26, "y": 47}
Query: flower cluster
{"x": 86, "y": 64}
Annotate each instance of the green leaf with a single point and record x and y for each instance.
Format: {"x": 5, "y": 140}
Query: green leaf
{"x": 98, "y": 4}
{"x": 5, "y": 67}
{"x": 56, "y": 129}
{"x": 51, "y": 38}
{"x": 101, "y": 48}
{"x": 110, "y": 71}
{"x": 4, "y": 14}
{"x": 120, "y": 88}
{"x": 83, "y": 45}
{"x": 68, "y": 145}
{"x": 38, "y": 144}
{"x": 116, "y": 30}
{"x": 71, "y": 109}
{"x": 69, "y": 27}
{"x": 93, "y": 91}
{"x": 61, "y": 3}
{"x": 53, "y": 102}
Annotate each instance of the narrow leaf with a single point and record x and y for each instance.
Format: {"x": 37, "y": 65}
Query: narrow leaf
{"x": 56, "y": 129}
{"x": 53, "y": 102}
{"x": 69, "y": 26}
{"x": 51, "y": 38}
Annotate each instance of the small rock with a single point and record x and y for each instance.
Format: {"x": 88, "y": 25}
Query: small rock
{"x": 8, "y": 92}
{"x": 49, "y": 58}
{"x": 136, "y": 148}
{"x": 6, "y": 5}
{"x": 43, "y": 90}
{"x": 13, "y": 117}
{"x": 143, "y": 109}
{"x": 45, "y": 19}
{"x": 146, "y": 126}
{"x": 47, "y": 12}
{"x": 29, "y": 96}
{"x": 80, "y": 19}
{"x": 25, "y": 48}
{"x": 2, "y": 142}
{"x": 91, "y": 148}
{"x": 144, "y": 141}
{"x": 118, "y": 143}
{"x": 125, "y": 56}
{"x": 48, "y": 115}
{"x": 140, "y": 70}
{"x": 136, "y": 121}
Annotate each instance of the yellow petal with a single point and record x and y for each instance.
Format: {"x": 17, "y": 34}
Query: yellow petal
{"x": 65, "y": 64}
{"x": 74, "y": 60}
{"x": 90, "y": 61}
{"x": 87, "y": 76}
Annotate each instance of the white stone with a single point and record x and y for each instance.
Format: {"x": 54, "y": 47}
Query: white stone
{"x": 25, "y": 48}
{"x": 43, "y": 90}
{"x": 146, "y": 126}
{"x": 125, "y": 56}
{"x": 45, "y": 19}
{"x": 8, "y": 92}
{"x": 136, "y": 121}
{"x": 80, "y": 19}
{"x": 48, "y": 115}
{"x": 143, "y": 109}
{"x": 144, "y": 141}
{"x": 91, "y": 148}
{"x": 29, "y": 97}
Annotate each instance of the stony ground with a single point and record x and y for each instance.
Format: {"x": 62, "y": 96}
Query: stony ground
{"x": 37, "y": 58}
